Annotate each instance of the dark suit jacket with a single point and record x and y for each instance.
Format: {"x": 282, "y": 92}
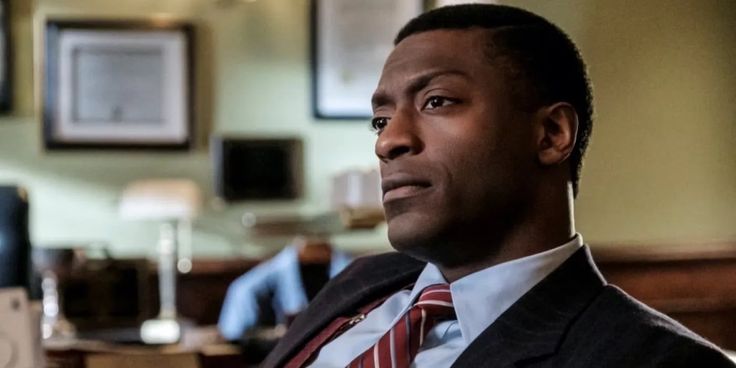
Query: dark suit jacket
{"x": 572, "y": 318}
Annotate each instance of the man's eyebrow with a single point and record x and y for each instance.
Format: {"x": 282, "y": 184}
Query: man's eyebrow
{"x": 381, "y": 98}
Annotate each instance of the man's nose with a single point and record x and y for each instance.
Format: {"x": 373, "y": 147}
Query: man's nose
{"x": 399, "y": 137}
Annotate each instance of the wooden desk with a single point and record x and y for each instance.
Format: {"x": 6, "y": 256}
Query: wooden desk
{"x": 188, "y": 354}
{"x": 124, "y": 357}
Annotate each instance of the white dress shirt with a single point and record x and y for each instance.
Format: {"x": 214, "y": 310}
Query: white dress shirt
{"x": 479, "y": 299}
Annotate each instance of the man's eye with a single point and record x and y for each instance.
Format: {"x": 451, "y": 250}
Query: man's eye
{"x": 437, "y": 101}
{"x": 377, "y": 124}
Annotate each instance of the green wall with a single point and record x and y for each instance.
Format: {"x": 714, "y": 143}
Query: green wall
{"x": 660, "y": 168}
{"x": 253, "y": 79}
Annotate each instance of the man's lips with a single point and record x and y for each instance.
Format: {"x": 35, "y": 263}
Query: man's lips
{"x": 402, "y": 186}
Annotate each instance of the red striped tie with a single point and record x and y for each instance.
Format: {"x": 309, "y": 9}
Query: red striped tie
{"x": 398, "y": 347}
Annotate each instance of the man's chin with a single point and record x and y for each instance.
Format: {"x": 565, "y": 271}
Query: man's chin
{"x": 429, "y": 239}
{"x": 414, "y": 236}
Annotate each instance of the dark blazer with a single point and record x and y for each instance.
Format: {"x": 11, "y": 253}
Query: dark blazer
{"x": 572, "y": 318}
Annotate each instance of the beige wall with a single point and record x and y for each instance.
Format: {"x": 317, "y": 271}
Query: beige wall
{"x": 662, "y": 163}
{"x": 660, "y": 166}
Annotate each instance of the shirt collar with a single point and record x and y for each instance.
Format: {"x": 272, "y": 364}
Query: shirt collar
{"x": 481, "y": 297}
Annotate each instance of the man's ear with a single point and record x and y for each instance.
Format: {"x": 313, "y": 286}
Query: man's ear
{"x": 557, "y": 131}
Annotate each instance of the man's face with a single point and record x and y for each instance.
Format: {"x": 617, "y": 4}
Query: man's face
{"x": 455, "y": 155}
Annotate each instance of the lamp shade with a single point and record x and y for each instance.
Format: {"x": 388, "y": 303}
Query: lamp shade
{"x": 160, "y": 199}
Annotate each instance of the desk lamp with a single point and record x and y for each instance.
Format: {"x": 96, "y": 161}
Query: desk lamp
{"x": 173, "y": 203}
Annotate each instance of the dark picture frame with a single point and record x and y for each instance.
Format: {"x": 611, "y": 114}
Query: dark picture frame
{"x": 6, "y": 58}
{"x": 349, "y": 41}
{"x": 118, "y": 85}
{"x": 256, "y": 169}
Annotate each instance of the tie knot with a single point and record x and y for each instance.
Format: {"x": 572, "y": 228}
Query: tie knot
{"x": 436, "y": 301}
{"x": 398, "y": 347}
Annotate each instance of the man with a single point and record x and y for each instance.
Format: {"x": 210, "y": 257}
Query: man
{"x": 483, "y": 114}
{"x": 278, "y": 289}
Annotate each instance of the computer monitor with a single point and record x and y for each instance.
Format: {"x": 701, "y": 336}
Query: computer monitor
{"x": 15, "y": 245}
{"x": 257, "y": 168}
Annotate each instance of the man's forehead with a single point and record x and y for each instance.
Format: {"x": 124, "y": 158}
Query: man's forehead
{"x": 439, "y": 40}
{"x": 455, "y": 52}
{"x": 437, "y": 49}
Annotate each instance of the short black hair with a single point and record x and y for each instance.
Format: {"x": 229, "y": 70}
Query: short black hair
{"x": 541, "y": 60}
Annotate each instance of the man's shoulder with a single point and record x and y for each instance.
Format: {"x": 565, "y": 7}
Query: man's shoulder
{"x": 622, "y": 310}
{"x": 371, "y": 276}
{"x": 637, "y": 335}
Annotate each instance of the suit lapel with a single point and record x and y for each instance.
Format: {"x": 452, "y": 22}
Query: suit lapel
{"x": 535, "y": 325}
{"x": 369, "y": 280}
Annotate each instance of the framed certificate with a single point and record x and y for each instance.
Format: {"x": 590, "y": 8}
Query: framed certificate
{"x": 118, "y": 85}
{"x": 350, "y": 42}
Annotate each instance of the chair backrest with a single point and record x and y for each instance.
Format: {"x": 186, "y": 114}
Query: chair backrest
{"x": 15, "y": 245}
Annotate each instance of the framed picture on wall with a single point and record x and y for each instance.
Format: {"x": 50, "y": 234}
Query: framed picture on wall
{"x": 250, "y": 168}
{"x": 6, "y": 57}
{"x": 350, "y": 42}
{"x": 114, "y": 85}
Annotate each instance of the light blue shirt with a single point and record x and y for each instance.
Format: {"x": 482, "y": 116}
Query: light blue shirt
{"x": 479, "y": 299}
{"x": 279, "y": 275}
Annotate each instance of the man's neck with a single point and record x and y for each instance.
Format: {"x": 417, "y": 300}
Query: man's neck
{"x": 551, "y": 224}
{"x": 506, "y": 254}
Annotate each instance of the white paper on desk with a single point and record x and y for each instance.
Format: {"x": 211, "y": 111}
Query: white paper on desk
{"x": 16, "y": 334}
